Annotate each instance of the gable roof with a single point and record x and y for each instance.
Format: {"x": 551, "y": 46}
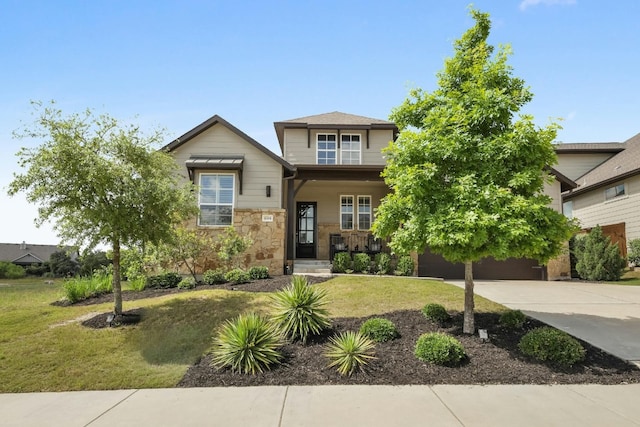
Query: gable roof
{"x": 23, "y": 253}
{"x": 216, "y": 119}
{"x": 335, "y": 119}
{"x": 622, "y": 165}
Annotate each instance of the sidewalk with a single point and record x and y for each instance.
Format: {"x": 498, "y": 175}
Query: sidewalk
{"x": 371, "y": 406}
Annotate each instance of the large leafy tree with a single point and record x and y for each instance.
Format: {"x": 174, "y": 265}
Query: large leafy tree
{"x": 101, "y": 182}
{"x": 467, "y": 177}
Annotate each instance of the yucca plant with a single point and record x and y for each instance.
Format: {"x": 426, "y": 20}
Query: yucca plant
{"x": 247, "y": 344}
{"x": 299, "y": 310}
{"x": 349, "y": 351}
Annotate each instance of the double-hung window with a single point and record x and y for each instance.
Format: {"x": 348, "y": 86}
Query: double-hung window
{"x": 346, "y": 213}
{"x": 350, "y": 149}
{"x": 364, "y": 212}
{"x": 216, "y": 199}
{"x": 327, "y": 149}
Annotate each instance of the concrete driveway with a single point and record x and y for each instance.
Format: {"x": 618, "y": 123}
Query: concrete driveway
{"x": 607, "y": 316}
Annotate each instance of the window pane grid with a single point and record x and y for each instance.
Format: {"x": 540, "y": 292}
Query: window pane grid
{"x": 326, "y": 149}
{"x": 350, "y": 149}
{"x": 216, "y": 199}
{"x": 346, "y": 212}
{"x": 364, "y": 212}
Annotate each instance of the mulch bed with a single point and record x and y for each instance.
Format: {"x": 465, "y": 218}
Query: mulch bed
{"x": 497, "y": 361}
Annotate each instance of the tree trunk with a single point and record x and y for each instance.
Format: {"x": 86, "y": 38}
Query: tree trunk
{"x": 469, "y": 326}
{"x": 117, "y": 286}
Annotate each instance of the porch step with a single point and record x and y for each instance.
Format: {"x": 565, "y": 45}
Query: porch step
{"x": 311, "y": 266}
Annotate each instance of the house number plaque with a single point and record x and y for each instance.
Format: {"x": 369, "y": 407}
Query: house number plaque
{"x": 267, "y": 218}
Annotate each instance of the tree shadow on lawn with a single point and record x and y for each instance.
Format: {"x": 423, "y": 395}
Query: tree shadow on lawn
{"x": 180, "y": 331}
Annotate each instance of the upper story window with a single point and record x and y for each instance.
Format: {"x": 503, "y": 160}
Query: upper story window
{"x": 216, "y": 199}
{"x": 350, "y": 149}
{"x": 567, "y": 209}
{"x": 327, "y": 153}
{"x": 613, "y": 192}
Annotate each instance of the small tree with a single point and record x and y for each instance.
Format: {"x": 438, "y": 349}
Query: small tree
{"x": 91, "y": 261}
{"x": 61, "y": 264}
{"x": 188, "y": 248}
{"x": 467, "y": 179}
{"x": 633, "y": 256}
{"x": 597, "y": 258}
{"x": 101, "y": 182}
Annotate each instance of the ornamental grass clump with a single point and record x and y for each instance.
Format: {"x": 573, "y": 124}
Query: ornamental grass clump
{"x": 247, "y": 344}
{"x": 439, "y": 348}
{"x": 379, "y": 329}
{"x": 349, "y": 351}
{"x": 299, "y": 310}
{"x": 436, "y": 313}
{"x": 551, "y": 345}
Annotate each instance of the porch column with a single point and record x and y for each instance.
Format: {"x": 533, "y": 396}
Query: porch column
{"x": 291, "y": 218}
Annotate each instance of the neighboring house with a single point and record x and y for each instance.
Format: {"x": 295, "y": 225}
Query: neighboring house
{"x": 316, "y": 200}
{"x": 24, "y": 254}
{"x": 608, "y": 194}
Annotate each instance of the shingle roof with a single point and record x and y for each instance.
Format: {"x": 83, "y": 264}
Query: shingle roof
{"x": 334, "y": 119}
{"x": 624, "y": 164}
{"x": 23, "y": 253}
{"x": 590, "y": 147}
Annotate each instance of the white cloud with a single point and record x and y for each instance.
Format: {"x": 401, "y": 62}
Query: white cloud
{"x": 572, "y": 115}
{"x": 527, "y": 3}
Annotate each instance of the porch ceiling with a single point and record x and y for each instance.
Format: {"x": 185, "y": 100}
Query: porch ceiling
{"x": 339, "y": 172}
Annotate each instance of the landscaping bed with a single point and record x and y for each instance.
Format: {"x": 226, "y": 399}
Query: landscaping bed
{"x": 496, "y": 361}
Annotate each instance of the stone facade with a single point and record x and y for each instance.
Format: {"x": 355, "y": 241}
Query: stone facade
{"x": 266, "y": 229}
{"x": 559, "y": 268}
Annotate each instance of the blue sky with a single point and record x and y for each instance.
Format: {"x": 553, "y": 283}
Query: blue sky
{"x": 173, "y": 64}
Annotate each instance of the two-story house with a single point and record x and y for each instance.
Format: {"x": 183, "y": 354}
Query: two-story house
{"x": 317, "y": 199}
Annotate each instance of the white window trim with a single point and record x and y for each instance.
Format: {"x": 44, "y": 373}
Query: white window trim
{"x": 337, "y": 151}
{"x": 342, "y": 150}
{"x": 370, "y": 213}
{"x": 353, "y": 212}
{"x": 233, "y": 198}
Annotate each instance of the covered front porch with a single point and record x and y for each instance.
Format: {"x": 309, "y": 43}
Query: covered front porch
{"x": 330, "y": 210}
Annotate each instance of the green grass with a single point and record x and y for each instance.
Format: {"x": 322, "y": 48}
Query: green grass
{"x": 629, "y": 278}
{"x": 45, "y": 348}
{"x": 359, "y": 296}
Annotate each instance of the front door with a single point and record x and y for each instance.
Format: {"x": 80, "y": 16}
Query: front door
{"x": 306, "y": 230}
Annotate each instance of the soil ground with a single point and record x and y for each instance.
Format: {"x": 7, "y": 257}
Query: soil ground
{"x": 496, "y": 361}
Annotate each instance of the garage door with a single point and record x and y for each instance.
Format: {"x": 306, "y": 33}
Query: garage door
{"x": 433, "y": 265}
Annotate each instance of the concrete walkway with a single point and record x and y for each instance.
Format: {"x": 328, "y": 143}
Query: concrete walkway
{"x": 371, "y": 406}
{"x": 606, "y": 316}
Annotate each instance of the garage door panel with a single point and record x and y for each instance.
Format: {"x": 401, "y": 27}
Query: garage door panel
{"x": 433, "y": 265}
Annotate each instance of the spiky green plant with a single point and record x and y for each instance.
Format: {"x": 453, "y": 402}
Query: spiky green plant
{"x": 299, "y": 309}
{"x": 247, "y": 344}
{"x": 349, "y": 351}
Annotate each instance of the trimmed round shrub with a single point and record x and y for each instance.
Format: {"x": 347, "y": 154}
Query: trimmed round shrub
{"x": 247, "y": 344}
{"x": 341, "y": 262}
{"x": 439, "y": 348}
{"x": 512, "y": 319}
{"x": 379, "y": 329}
{"x": 349, "y": 351}
{"x": 213, "y": 277}
{"x": 361, "y": 262}
{"x": 551, "y": 345}
{"x": 166, "y": 280}
{"x": 405, "y": 266}
{"x": 382, "y": 263}
{"x": 258, "y": 272}
{"x": 237, "y": 276}
{"x": 187, "y": 283}
{"x": 436, "y": 313}
{"x": 299, "y": 309}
